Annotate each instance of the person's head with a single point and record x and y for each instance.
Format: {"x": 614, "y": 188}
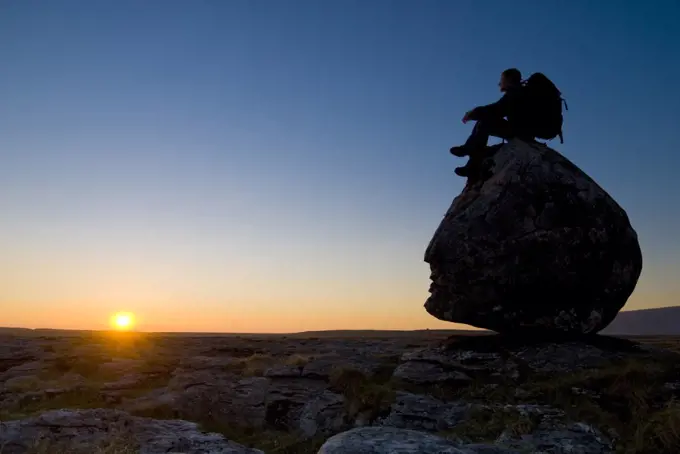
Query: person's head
{"x": 510, "y": 78}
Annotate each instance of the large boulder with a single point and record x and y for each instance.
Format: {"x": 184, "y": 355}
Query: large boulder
{"x": 532, "y": 244}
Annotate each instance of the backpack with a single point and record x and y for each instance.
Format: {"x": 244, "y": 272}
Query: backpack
{"x": 543, "y": 103}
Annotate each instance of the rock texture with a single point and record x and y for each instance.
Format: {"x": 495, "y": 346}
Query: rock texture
{"x": 532, "y": 245}
{"x": 378, "y": 392}
{"x": 388, "y": 440}
{"x": 86, "y": 431}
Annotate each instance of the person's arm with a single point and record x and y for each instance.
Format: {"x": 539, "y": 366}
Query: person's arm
{"x": 499, "y": 109}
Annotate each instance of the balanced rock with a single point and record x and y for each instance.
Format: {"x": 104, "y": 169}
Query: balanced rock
{"x": 532, "y": 244}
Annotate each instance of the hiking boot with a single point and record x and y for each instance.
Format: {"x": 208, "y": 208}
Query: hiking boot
{"x": 460, "y": 151}
{"x": 463, "y": 171}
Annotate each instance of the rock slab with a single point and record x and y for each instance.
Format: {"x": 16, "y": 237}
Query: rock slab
{"x": 533, "y": 245}
{"x": 85, "y": 431}
{"x": 388, "y": 440}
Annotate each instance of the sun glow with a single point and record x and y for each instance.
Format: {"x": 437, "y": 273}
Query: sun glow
{"x": 123, "y": 321}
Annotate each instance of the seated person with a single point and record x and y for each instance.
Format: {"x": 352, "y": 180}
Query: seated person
{"x": 491, "y": 121}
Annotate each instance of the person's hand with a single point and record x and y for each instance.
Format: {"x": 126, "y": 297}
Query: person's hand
{"x": 466, "y": 117}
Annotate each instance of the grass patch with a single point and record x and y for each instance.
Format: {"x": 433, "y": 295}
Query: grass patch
{"x": 141, "y": 389}
{"x": 157, "y": 411}
{"x": 157, "y": 363}
{"x": 82, "y": 399}
{"x": 363, "y": 396}
{"x": 386, "y": 366}
{"x": 486, "y": 425}
{"x": 254, "y": 365}
{"x": 478, "y": 391}
{"x": 269, "y": 441}
{"x": 627, "y": 396}
{"x": 87, "y": 366}
{"x": 87, "y": 397}
{"x": 112, "y": 446}
{"x": 298, "y": 360}
{"x": 660, "y": 432}
{"x": 24, "y": 383}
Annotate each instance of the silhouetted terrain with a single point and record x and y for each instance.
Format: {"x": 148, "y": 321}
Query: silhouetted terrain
{"x": 306, "y": 334}
{"x": 646, "y": 322}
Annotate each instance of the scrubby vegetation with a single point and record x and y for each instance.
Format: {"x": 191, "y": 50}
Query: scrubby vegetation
{"x": 635, "y": 401}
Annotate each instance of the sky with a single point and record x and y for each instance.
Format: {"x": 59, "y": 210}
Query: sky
{"x": 278, "y": 166}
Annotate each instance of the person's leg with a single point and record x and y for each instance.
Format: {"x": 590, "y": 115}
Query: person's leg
{"x": 476, "y": 144}
{"x": 480, "y": 136}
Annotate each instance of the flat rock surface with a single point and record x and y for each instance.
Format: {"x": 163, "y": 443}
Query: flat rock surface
{"x": 84, "y": 431}
{"x": 428, "y": 390}
{"x": 388, "y": 440}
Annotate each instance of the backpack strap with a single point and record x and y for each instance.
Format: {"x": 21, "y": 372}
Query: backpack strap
{"x": 566, "y": 107}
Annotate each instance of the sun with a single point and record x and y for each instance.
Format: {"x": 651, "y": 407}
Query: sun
{"x": 123, "y": 321}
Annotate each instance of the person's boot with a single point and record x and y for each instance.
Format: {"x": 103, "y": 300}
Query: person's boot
{"x": 464, "y": 171}
{"x": 460, "y": 151}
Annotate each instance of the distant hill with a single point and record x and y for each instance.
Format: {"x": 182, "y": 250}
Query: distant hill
{"x": 646, "y": 322}
{"x": 11, "y": 331}
{"x": 389, "y": 333}
{"x": 364, "y": 333}
{"x": 16, "y": 331}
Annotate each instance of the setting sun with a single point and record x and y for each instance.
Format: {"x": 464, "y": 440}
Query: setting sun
{"x": 123, "y": 321}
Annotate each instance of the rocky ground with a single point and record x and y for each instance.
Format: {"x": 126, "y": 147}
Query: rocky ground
{"x": 106, "y": 393}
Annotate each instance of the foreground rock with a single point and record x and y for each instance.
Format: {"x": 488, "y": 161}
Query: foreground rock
{"x": 466, "y": 393}
{"x": 497, "y": 358}
{"x": 88, "y": 431}
{"x": 388, "y": 440}
{"x": 534, "y": 245}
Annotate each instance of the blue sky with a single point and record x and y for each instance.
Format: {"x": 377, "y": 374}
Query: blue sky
{"x": 281, "y": 165}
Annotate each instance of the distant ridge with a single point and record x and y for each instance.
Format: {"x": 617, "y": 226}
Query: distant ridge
{"x": 646, "y": 322}
{"x": 303, "y": 334}
{"x": 11, "y": 331}
{"x": 390, "y": 333}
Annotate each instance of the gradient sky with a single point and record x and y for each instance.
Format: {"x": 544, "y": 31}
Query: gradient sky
{"x": 281, "y": 165}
